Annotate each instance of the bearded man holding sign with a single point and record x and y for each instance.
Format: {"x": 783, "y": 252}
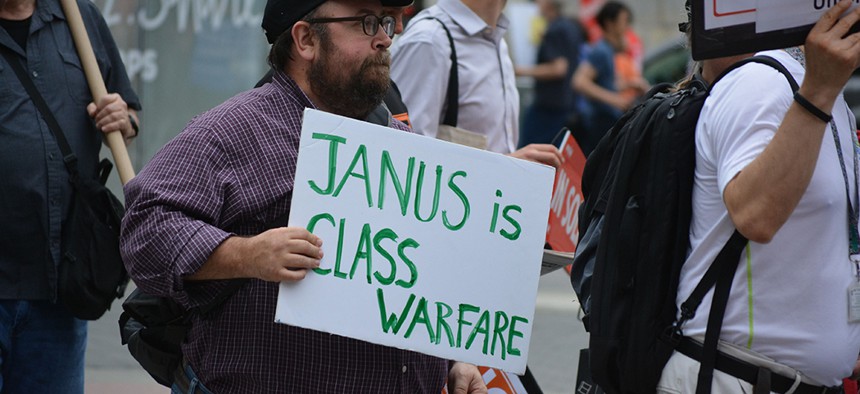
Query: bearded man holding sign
{"x": 198, "y": 214}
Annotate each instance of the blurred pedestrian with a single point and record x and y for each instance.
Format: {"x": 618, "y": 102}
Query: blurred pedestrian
{"x": 557, "y": 57}
{"x": 595, "y": 78}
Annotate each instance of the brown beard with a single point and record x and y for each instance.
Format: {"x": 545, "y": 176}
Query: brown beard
{"x": 354, "y": 95}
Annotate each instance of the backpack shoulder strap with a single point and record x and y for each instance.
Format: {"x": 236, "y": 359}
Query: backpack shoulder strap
{"x": 761, "y": 59}
{"x": 453, "y": 93}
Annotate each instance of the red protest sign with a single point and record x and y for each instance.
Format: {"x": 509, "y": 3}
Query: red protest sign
{"x": 562, "y": 232}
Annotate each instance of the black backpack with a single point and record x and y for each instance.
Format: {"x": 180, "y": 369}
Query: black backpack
{"x": 634, "y": 237}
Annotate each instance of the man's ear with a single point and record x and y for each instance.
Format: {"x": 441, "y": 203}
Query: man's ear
{"x": 305, "y": 40}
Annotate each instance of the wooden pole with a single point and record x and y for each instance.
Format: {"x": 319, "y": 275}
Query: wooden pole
{"x": 97, "y": 86}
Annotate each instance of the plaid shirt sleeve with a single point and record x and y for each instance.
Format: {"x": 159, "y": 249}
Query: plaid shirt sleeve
{"x": 171, "y": 207}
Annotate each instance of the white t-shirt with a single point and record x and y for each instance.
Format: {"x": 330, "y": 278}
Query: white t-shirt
{"x": 789, "y": 297}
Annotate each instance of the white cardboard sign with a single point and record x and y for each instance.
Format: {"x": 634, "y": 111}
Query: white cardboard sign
{"x": 767, "y": 15}
{"x": 429, "y": 246}
{"x": 785, "y": 14}
{"x": 722, "y": 13}
{"x": 733, "y": 27}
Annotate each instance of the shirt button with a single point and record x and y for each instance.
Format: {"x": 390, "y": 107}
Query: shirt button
{"x": 35, "y": 74}
{"x": 403, "y": 369}
{"x": 50, "y": 156}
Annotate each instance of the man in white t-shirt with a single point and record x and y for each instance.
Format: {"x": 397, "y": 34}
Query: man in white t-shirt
{"x": 768, "y": 163}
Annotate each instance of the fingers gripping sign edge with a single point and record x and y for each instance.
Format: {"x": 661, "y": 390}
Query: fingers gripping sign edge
{"x": 291, "y": 274}
{"x": 830, "y": 18}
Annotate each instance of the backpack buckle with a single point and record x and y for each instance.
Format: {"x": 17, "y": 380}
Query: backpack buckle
{"x": 673, "y": 334}
{"x": 687, "y": 313}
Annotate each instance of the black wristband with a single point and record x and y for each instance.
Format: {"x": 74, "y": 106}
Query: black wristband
{"x": 134, "y": 125}
{"x": 817, "y": 112}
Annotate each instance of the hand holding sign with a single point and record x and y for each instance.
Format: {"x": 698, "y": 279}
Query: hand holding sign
{"x": 465, "y": 378}
{"x": 733, "y": 27}
{"x": 831, "y": 55}
{"x": 431, "y": 246}
{"x": 284, "y": 254}
{"x": 539, "y": 153}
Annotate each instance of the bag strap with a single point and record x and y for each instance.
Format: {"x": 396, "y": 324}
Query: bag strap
{"x": 69, "y": 157}
{"x": 766, "y": 60}
{"x": 721, "y": 272}
{"x": 719, "y": 275}
{"x": 453, "y": 93}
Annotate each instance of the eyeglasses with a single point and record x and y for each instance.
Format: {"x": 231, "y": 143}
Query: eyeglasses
{"x": 370, "y": 23}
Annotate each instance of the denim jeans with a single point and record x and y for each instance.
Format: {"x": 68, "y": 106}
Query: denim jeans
{"x": 195, "y": 386}
{"x": 41, "y": 348}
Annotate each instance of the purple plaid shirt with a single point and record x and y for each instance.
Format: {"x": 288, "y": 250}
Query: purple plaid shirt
{"x": 230, "y": 172}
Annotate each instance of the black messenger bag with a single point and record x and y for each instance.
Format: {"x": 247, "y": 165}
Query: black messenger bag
{"x": 91, "y": 274}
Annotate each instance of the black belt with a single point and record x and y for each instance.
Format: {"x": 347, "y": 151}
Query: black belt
{"x": 750, "y": 373}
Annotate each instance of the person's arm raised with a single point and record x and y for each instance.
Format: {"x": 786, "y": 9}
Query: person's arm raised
{"x": 762, "y": 197}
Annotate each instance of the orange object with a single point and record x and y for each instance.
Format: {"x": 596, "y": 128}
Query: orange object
{"x": 627, "y": 74}
{"x": 587, "y": 12}
{"x": 500, "y": 381}
{"x": 404, "y": 117}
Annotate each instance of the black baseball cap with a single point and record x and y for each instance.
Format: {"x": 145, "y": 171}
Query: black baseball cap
{"x": 280, "y": 15}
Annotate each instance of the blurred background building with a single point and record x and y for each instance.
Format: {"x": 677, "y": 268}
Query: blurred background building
{"x": 186, "y": 56}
